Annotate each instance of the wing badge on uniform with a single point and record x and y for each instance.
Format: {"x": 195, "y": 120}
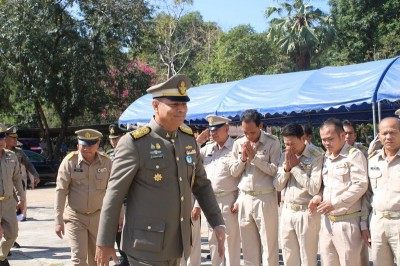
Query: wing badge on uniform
{"x": 157, "y": 177}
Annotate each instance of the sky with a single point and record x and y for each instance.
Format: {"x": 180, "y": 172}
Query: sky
{"x": 230, "y": 13}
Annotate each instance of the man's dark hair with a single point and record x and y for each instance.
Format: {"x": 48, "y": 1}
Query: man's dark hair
{"x": 293, "y": 130}
{"x": 307, "y": 130}
{"x": 333, "y": 122}
{"x": 347, "y": 123}
{"x": 251, "y": 115}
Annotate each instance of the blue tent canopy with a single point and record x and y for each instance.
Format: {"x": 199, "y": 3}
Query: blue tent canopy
{"x": 307, "y": 95}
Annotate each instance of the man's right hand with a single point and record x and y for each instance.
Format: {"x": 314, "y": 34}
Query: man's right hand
{"x": 60, "y": 230}
{"x": 366, "y": 237}
{"x": 103, "y": 255}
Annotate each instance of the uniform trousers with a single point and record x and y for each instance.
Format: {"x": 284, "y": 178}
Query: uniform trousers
{"x": 10, "y": 226}
{"x": 299, "y": 236}
{"x": 232, "y": 235}
{"x": 81, "y": 230}
{"x": 340, "y": 242}
{"x": 258, "y": 223}
{"x": 385, "y": 240}
{"x": 195, "y": 253}
{"x": 137, "y": 262}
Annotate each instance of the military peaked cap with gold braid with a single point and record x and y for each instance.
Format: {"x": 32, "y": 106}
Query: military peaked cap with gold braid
{"x": 174, "y": 89}
{"x": 88, "y": 137}
{"x": 140, "y": 132}
{"x": 2, "y": 131}
{"x": 12, "y": 132}
{"x": 115, "y": 131}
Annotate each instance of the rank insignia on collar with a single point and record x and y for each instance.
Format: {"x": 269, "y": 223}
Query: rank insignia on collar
{"x": 157, "y": 177}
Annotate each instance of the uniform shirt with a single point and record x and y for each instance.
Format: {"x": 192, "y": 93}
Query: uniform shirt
{"x": 158, "y": 171}
{"x": 216, "y": 163}
{"x": 362, "y": 148}
{"x": 256, "y": 174}
{"x": 83, "y": 184}
{"x": 304, "y": 180}
{"x": 24, "y": 161}
{"x": 10, "y": 175}
{"x": 345, "y": 180}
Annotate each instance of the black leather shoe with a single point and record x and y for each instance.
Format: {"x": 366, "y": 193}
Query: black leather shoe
{"x": 4, "y": 262}
{"x": 16, "y": 245}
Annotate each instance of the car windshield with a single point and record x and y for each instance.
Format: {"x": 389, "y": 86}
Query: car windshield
{"x": 35, "y": 157}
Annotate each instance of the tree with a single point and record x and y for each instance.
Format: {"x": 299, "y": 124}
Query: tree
{"x": 299, "y": 31}
{"x": 366, "y": 30}
{"x": 58, "y": 53}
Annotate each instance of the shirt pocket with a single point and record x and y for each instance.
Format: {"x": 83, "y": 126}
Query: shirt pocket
{"x": 341, "y": 173}
{"x": 101, "y": 178}
{"x": 148, "y": 234}
{"x": 79, "y": 178}
{"x": 157, "y": 172}
{"x": 374, "y": 177}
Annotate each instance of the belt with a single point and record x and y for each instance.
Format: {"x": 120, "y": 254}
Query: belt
{"x": 4, "y": 197}
{"x": 222, "y": 193}
{"x": 338, "y": 218}
{"x": 296, "y": 207}
{"x": 388, "y": 214}
{"x": 86, "y": 213}
{"x": 259, "y": 192}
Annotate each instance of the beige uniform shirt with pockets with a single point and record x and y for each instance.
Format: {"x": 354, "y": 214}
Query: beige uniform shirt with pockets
{"x": 345, "y": 180}
{"x": 304, "y": 180}
{"x": 82, "y": 184}
{"x": 256, "y": 174}
{"x": 10, "y": 175}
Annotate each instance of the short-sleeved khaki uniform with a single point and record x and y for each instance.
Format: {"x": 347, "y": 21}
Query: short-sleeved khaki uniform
{"x": 80, "y": 189}
{"x": 258, "y": 208}
{"x": 10, "y": 178}
{"x": 384, "y": 199}
{"x": 299, "y": 228}
{"x": 216, "y": 163}
{"x": 345, "y": 181}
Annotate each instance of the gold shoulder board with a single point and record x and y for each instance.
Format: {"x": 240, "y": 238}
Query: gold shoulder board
{"x": 9, "y": 151}
{"x": 140, "y": 132}
{"x": 362, "y": 147}
{"x": 351, "y": 149}
{"x": 372, "y": 154}
{"x": 315, "y": 152}
{"x": 104, "y": 154}
{"x": 185, "y": 129}
{"x": 71, "y": 154}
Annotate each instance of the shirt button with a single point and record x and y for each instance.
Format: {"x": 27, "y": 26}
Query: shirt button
{"x": 172, "y": 140}
{"x": 149, "y": 227}
{"x": 181, "y": 219}
{"x": 182, "y": 198}
{"x": 177, "y": 158}
{"x": 180, "y": 179}
{"x": 157, "y": 166}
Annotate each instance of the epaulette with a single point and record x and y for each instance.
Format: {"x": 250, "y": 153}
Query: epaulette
{"x": 185, "y": 129}
{"x": 109, "y": 151}
{"x": 315, "y": 152}
{"x": 351, "y": 149}
{"x": 140, "y": 132}
{"x": 71, "y": 154}
{"x": 238, "y": 137}
{"x": 104, "y": 154}
{"x": 272, "y": 136}
{"x": 362, "y": 147}
{"x": 9, "y": 151}
{"x": 372, "y": 154}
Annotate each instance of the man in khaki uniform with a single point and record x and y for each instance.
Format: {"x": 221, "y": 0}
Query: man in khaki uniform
{"x": 158, "y": 167}
{"x": 299, "y": 173}
{"x": 216, "y": 156}
{"x": 345, "y": 181}
{"x": 255, "y": 159}
{"x": 10, "y": 178}
{"x": 81, "y": 185}
{"x": 351, "y": 137}
{"x": 383, "y": 196}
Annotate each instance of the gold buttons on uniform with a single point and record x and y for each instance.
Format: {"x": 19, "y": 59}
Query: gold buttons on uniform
{"x": 172, "y": 140}
{"x": 181, "y": 219}
{"x": 177, "y": 158}
{"x": 149, "y": 227}
{"x": 182, "y": 198}
{"x": 157, "y": 166}
{"x": 180, "y": 179}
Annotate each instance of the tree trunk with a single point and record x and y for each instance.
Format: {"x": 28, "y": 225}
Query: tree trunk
{"x": 44, "y": 127}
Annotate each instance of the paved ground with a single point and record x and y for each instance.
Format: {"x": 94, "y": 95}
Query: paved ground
{"x": 39, "y": 243}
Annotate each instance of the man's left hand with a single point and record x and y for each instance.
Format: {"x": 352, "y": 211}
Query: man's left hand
{"x": 21, "y": 205}
{"x": 220, "y": 234}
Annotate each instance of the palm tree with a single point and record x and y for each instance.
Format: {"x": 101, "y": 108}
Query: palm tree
{"x": 299, "y": 31}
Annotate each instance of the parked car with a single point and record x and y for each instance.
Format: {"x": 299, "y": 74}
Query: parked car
{"x": 46, "y": 168}
{"x": 32, "y": 144}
